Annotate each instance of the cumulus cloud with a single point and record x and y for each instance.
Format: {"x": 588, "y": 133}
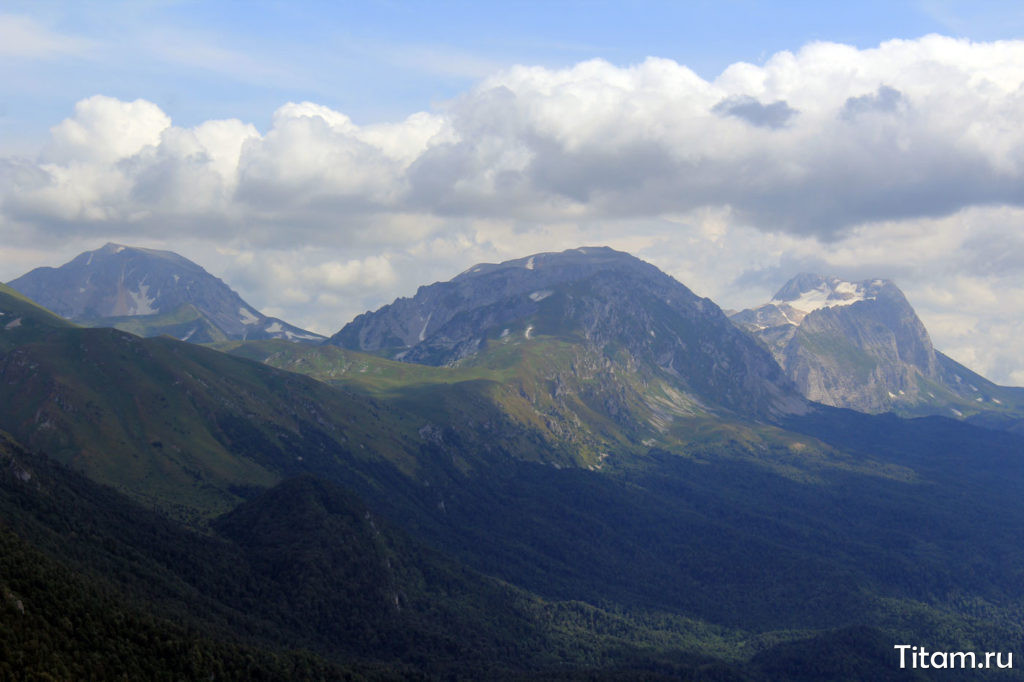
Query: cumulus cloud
{"x": 105, "y": 130}
{"x": 905, "y": 161}
{"x": 815, "y": 142}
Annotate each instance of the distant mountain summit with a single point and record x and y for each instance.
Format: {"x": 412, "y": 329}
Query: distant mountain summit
{"x": 626, "y": 313}
{"x": 861, "y": 345}
{"x": 149, "y": 293}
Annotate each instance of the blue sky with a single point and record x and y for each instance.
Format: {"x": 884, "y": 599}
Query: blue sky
{"x": 383, "y": 60}
{"x": 324, "y": 158}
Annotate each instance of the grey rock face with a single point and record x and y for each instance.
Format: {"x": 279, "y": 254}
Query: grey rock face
{"x": 858, "y": 345}
{"x": 610, "y": 301}
{"x": 150, "y": 292}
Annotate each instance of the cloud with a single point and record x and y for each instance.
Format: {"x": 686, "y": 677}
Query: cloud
{"x": 885, "y": 100}
{"x": 904, "y": 161}
{"x": 908, "y": 129}
{"x": 106, "y": 130}
{"x": 24, "y": 37}
{"x": 774, "y": 115}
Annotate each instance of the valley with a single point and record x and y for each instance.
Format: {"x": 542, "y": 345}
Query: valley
{"x": 518, "y": 474}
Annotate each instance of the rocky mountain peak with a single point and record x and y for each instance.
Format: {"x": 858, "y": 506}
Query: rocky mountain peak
{"x": 565, "y": 262}
{"x": 608, "y": 301}
{"x": 855, "y": 344}
{"x": 808, "y": 292}
{"x": 150, "y": 292}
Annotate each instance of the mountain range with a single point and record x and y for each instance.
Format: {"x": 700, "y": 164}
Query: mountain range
{"x": 566, "y": 466}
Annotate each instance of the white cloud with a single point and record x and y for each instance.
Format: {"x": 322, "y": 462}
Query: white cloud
{"x": 106, "y": 130}
{"x": 24, "y": 37}
{"x": 903, "y": 161}
{"x": 817, "y": 142}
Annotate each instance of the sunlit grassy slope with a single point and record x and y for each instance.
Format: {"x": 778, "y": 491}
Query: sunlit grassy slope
{"x": 21, "y": 319}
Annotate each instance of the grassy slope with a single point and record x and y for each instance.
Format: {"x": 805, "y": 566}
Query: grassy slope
{"x": 22, "y": 319}
{"x": 181, "y": 425}
{"x": 570, "y": 406}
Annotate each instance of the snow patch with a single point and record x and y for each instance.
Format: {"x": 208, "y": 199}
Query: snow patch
{"x": 789, "y": 319}
{"x": 540, "y": 295}
{"x": 997, "y": 401}
{"x": 246, "y": 316}
{"x": 529, "y": 263}
{"x": 274, "y": 328}
{"x": 292, "y": 336}
{"x": 89, "y": 262}
{"x": 957, "y": 412}
{"x": 846, "y": 288}
{"x": 839, "y": 294}
{"x": 891, "y": 394}
{"x": 189, "y": 335}
{"x": 979, "y": 400}
{"x": 423, "y": 332}
{"x": 142, "y": 303}
{"x": 119, "y": 249}
{"x": 16, "y": 322}
{"x": 529, "y": 328}
{"x": 504, "y": 333}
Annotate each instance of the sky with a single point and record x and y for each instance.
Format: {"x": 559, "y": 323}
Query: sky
{"x": 325, "y": 158}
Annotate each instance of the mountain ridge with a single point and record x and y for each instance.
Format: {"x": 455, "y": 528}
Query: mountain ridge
{"x": 577, "y": 295}
{"x": 150, "y": 292}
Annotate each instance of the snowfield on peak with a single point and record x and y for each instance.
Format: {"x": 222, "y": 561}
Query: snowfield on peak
{"x": 830, "y": 295}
